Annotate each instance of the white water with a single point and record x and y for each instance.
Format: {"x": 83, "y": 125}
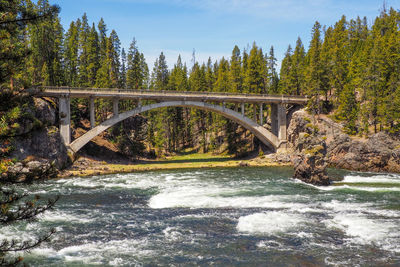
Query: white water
{"x": 157, "y": 216}
{"x": 270, "y": 222}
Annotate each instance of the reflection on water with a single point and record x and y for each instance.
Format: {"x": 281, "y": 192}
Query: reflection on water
{"x": 234, "y": 217}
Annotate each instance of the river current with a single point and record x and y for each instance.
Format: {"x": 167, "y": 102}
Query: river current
{"x": 218, "y": 217}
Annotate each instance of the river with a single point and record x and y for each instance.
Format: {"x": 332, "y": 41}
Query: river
{"x": 219, "y": 217}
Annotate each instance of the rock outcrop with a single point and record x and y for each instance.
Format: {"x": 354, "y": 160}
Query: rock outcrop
{"x": 29, "y": 170}
{"x": 380, "y": 152}
{"x": 37, "y": 144}
{"x": 39, "y": 136}
{"x": 309, "y": 160}
{"x": 43, "y": 143}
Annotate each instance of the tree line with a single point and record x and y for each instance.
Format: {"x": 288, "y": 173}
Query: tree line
{"x": 350, "y": 71}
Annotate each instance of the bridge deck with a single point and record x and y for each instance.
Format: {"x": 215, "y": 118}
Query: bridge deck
{"x": 168, "y": 95}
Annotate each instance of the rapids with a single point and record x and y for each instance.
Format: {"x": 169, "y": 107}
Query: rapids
{"x": 220, "y": 217}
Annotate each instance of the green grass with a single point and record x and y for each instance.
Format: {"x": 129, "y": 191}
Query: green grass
{"x": 187, "y": 160}
{"x": 188, "y": 157}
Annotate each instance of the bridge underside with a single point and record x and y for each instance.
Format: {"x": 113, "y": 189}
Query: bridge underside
{"x": 275, "y": 139}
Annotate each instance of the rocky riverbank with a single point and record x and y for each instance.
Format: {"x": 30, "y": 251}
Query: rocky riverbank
{"x": 320, "y": 142}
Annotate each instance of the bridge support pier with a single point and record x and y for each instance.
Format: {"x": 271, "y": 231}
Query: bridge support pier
{"x": 91, "y": 112}
{"x": 278, "y": 121}
{"x": 65, "y": 119}
{"x": 242, "y": 108}
{"x": 274, "y": 119}
{"x": 282, "y": 123}
{"x": 115, "y": 107}
{"x": 261, "y": 115}
{"x": 255, "y": 112}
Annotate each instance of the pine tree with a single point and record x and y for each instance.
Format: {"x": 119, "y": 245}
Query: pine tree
{"x": 114, "y": 54}
{"x": 102, "y": 27}
{"x": 222, "y": 84}
{"x": 93, "y": 56}
{"x": 45, "y": 42}
{"x": 123, "y": 68}
{"x": 316, "y": 82}
{"x": 286, "y": 83}
{"x": 71, "y": 55}
{"x": 273, "y": 79}
{"x": 235, "y": 71}
{"x": 13, "y": 24}
{"x": 178, "y": 81}
{"x": 298, "y": 64}
{"x": 210, "y": 77}
{"x": 159, "y": 131}
{"x": 84, "y": 33}
{"x": 198, "y": 82}
{"x": 103, "y": 76}
{"x": 383, "y": 57}
{"x": 14, "y": 205}
{"x": 338, "y": 67}
{"x": 160, "y": 74}
{"x": 137, "y": 69}
{"x": 348, "y": 108}
{"x": 256, "y": 72}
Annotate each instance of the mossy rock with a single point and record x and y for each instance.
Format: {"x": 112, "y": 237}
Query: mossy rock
{"x": 315, "y": 150}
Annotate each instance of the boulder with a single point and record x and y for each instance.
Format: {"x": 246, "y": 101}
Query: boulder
{"x": 311, "y": 169}
{"x": 309, "y": 161}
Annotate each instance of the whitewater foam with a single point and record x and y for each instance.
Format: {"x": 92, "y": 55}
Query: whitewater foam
{"x": 95, "y": 252}
{"x": 59, "y": 216}
{"x": 269, "y": 223}
{"x": 363, "y": 230}
{"x": 371, "y": 179}
{"x": 354, "y": 187}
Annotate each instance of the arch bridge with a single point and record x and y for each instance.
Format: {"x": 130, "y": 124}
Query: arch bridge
{"x": 215, "y": 102}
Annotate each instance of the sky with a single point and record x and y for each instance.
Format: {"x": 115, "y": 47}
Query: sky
{"x": 212, "y": 28}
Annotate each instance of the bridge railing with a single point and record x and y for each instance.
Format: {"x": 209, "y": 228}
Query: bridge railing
{"x": 143, "y": 91}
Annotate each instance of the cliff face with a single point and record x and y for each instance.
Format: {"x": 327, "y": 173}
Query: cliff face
{"x": 378, "y": 153}
{"x": 38, "y": 148}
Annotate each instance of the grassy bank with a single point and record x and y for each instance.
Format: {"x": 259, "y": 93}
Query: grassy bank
{"x": 88, "y": 167}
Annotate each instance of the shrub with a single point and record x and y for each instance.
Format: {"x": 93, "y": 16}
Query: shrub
{"x": 14, "y": 114}
{"x": 4, "y": 164}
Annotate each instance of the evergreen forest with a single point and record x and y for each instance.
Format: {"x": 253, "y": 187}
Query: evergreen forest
{"x": 350, "y": 71}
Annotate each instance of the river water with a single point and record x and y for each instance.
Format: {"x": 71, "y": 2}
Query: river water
{"x": 219, "y": 217}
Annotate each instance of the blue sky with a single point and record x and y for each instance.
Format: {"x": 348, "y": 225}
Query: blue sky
{"x": 213, "y": 27}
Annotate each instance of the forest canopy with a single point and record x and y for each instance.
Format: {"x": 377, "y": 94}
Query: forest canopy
{"x": 350, "y": 70}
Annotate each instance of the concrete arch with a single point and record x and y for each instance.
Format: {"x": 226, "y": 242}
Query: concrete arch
{"x": 259, "y": 131}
